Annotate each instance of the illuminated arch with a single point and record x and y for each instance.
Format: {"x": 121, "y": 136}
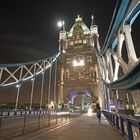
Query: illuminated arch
{"x": 74, "y": 93}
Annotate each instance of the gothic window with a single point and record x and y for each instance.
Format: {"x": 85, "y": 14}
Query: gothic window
{"x": 89, "y": 58}
{"x": 80, "y": 41}
{"x": 71, "y": 43}
{"x": 76, "y": 42}
{"x": 78, "y": 61}
{"x": 84, "y": 41}
{"x": 68, "y": 60}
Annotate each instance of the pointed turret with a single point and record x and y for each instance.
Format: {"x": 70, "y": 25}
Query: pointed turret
{"x": 78, "y": 19}
{"x": 62, "y": 33}
{"x": 94, "y": 34}
{"x": 62, "y": 37}
{"x": 79, "y": 22}
{"x": 93, "y": 27}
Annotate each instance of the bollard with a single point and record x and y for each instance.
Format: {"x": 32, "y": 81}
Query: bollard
{"x": 56, "y": 117}
{"x": 61, "y": 118}
{"x": 114, "y": 120}
{"x": 1, "y": 130}
{"x": 24, "y": 123}
{"x": 39, "y": 119}
{"x": 122, "y": 125}
{"x": 69, "y": 115}
{"x": 49, "y": 118}
{"x": 117, "y": 122}
{"x": 129, "y": 128}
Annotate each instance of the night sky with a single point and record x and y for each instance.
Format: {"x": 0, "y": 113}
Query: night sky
{"x": 28, "y": 31}
{"x": 28, "y": 28}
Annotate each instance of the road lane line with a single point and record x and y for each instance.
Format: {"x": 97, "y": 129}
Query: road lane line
{"x": 50, "y": 130}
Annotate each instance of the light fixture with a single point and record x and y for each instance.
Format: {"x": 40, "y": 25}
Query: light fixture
{"x": 63, "y": 51}
{"x": 17, "y": 86}
{"x": 78, "y": 63}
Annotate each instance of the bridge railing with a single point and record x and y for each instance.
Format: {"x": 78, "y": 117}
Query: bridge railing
{"x": 128, "y": 125}
{"x": 14, "y": 123}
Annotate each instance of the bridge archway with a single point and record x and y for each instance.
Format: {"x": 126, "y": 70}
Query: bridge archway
{"x": 81, "y": 99}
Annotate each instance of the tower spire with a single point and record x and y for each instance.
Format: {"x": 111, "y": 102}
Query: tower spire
{"x": 92, "y": 19}
{"x": 62, "y": 33}
{"x": 63, "y": 25}
{"x": 93, "y": 27}
{"x": 78, "y": 18}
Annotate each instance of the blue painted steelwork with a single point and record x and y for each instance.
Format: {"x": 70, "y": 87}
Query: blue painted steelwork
{"x": 28, "y": 63}
{"x": 120, "y": 11}
{"x": 13, "y": 74}
{"x": 125, "y": 13}
{"x": 133, "y": 15}
{"x": 129, "y": 81}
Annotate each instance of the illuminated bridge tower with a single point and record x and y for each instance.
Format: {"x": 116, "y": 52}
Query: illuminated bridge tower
{"x": 78, "y": 83}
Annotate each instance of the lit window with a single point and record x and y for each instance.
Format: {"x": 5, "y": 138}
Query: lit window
{"x": 76, "y": 42}
{"x": 71, "y": 43}
{"x": 84, "y": 41}
{"x": 78, "y": 63}
{"x": 89, "y": 58}
{"x": 80, "y": 41}
{"x": 68, "y": 60}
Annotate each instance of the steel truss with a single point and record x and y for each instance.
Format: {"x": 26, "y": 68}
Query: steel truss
{"x": 110, "y": 58}
{"x": 11, "y": 74}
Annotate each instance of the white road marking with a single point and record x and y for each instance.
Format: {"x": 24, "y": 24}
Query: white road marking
{"x": 49, "y": 131}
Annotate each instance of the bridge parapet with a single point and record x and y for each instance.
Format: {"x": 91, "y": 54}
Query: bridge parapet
{"x": 128, "y": 125}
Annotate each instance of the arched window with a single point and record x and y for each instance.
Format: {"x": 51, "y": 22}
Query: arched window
{"x": 78, "y": 60}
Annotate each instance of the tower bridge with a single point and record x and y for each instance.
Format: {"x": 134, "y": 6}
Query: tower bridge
{"x": 78, "y": 65}
{"x": 80, "y": 75}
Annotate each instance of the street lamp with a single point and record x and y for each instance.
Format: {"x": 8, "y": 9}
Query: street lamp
{"x": 17, "y": 96}
{"x": 78, "y": 62}
{"x": 32, "y": 91}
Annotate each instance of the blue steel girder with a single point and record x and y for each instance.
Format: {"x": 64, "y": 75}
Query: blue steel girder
{"x": 132, "y": 12}
{"x": 125, "y": 12}
{"x": 14, "y": 74}
{"x": 129, "y": 81}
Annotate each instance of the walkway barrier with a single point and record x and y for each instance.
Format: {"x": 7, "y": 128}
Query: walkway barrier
{"x": 128, "y": 125}
{"x": 14, "y": 123}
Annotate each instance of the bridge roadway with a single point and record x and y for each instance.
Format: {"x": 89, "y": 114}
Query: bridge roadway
{"x": 84, "y": 127}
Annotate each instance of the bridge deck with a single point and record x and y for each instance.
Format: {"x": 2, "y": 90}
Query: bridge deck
{"x": 85, "y": 127}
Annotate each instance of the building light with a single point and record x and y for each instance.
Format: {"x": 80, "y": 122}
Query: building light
{"x": 63, "y": 51}
{"x": 78, "y": 63}
{"x": 17, "y": 86}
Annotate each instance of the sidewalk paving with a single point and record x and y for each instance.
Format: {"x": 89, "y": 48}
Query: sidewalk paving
{"x": 85, "y": 127}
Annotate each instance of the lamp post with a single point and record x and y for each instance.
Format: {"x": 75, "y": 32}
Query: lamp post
{"x": 42, "y": 86}
{"x": 55, "y": 81}
{"x": 62, "y": 41}
{"x": 17, "y": 97}
{"x": 49, "y": 90}
{"x": 32, "y": 91}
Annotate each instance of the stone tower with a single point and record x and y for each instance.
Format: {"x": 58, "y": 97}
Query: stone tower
{"x": 78, "y": 68}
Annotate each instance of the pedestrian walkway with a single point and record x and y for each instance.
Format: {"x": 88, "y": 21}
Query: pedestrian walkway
{"x": 85, "y": 127}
